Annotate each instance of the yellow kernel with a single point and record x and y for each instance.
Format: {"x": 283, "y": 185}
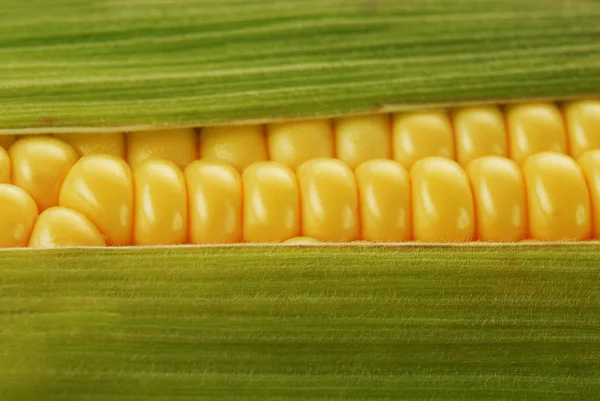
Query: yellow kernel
{"x": 384, "y": 199}
{"x": 239, "y": 146}
{"x": 271, "y": 203}
{"x": 101, "y": 188}
{"x": 582, "y": 119}
{"x": 479, "y": 131}
{"x": 17, "y": 214}
{"x": 160, "y": 204}
{"x": 557, "y": 198}
{"x": 301, "y": 241}
{"x": 329, "y": 200}
{"x": 293, "y": 143}
{"x": 7, "y": 140}
{"x": 363, "y": 138}
{"x": 534, "y": 128}
{"x": 179, "y": 146}
{"x": 419, "y": 135}
{"x": 39, "y": 166}
{"x": 5, "y": 169}
{"x": 215, "y": 203}
{"x": 590, "y": 164}
{"x": 60, "y": 227}
{"x": 500, "y": 199}
{"x": 112, "y": 144}
{"x": 442, "y": 203}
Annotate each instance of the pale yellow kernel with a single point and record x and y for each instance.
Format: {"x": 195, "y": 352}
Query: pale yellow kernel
{"x": 18, "y": 213}
{"x": 419, "y": 135}
{"x": 500, "y": 199}
{"x": 5, "y": 167}
{"x": 271, "y": 203}
{"x": 329, "y": 200}
{"x": 161, "y": 216}
{"x": 215, "y": 203}
{"x": 63, "y": 227}
{"x": 384, "y": 199}
{"x": 39, "y": 166}
{"x": 442, "y": 203}
{"x": 534, "y": 128}
{"x": 363, "y": 138}
{"x": 558, "y": 200}
{"x": 479, "y": 131}
{"x": 101, "y": 188}
{"x": 85, "y": 144}
{"x": 179, "y": 146}
{"x": 239, "y": 146}
{"x": 301, "y": 241}
{"x": 582, "y": 119}
{"x": 293, "y": 143}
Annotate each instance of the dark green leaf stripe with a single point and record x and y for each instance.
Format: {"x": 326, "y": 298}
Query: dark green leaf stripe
{"x": 287, "y": 323}
{"x": 107, "y": 63}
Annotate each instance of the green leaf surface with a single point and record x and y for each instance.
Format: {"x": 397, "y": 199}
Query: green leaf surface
{"x": 284, "y": 323}
{"x": 151, "y": 63}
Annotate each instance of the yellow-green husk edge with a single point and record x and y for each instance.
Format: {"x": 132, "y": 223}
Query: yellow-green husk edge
{"x": 275, "y": 322}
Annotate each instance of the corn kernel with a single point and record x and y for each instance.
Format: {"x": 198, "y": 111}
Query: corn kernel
{"x": 101, "y": 188}
{"x": 557, "y": 198}
{"x": 329, "y": 201}
{"x": 239, "y": 146}
{"x": 179, "y": 146}
{"x": 7, "y": 140}
{"x": 39, "y": 166}
{"x": 590, "y": 164}
{"x": 271, "y": 203}
{"x": 582, "y": 119}
{"x": 384, "y": 200}
{"x": 479, "y": 131}
{"x": 293, "y": 143}
{"x": 215, "y": 203}
{"x": 419, "y": 135}
{"x": 301, "y": 241}
{"x": 534, "y": 128}
{"x": 17, "y": 214}
{"x": 160, "y": 211}
{"x": 5, "y": 169}
{"x": 60, "y": 227}
{"x": 442, "y": 203}
{"x": 359, "y": 139}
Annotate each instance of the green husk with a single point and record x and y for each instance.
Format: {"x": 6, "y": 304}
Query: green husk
{"x": 287, "y": 323}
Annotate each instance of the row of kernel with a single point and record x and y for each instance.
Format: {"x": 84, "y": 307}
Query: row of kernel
{"x": 463, "y": 134}
{"x": 102, "y": 202}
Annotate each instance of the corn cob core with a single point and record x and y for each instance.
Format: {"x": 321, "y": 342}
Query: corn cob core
{"x": 394, "y": 179}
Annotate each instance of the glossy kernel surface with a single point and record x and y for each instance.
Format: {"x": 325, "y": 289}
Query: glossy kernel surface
{"x": 384, "y": 199}
{"x": 535, "y": 128}
{"x": 293, "y": 143}
{"x": 18, "y": 213}
{"x": 60, "y": 227}
{"x": 362, "y": 138}
{"x": 442, "y": 203}
{"x": 329, "y": 200}
{"x": 101, "y": 188}
{"x": 271, "y": 203}
{"x": 500, "y": 199}
{"x": 590, "y": 165}
{"x": 479, "y": 131}
{"x": 582, "y": 119}
{"x": 39, "y": 166}
{"x": 419, "y": 135}
{"x": 239, "y": 146}
{"x": 557, "y": 198}
{"x": 215, "y": 203}
{"x": 160, "y": 204}
{"x": 112, "y": 144}
{"x": 179, "y": 146}
{"x": 5, "y": 167}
